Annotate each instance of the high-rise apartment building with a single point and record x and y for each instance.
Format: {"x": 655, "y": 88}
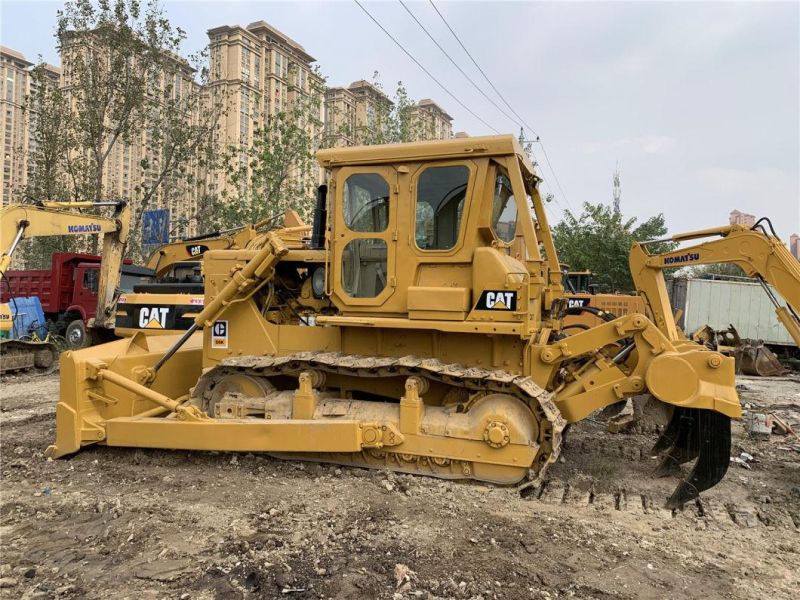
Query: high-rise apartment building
{"x": 134, "y": 164}
{"x": 259, "y": 71}
{"x": 15, "y": 78}
{"x": 255, "y": 71}
{"x": 737, "y": 217}
{"x": 354, "y": 113}
{"x": 794, "y": 245}
{"x": 433, "y": 123}
{"x": 16, "y": 84}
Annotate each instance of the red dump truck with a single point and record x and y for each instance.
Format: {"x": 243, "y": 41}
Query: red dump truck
{"x": 68, "y": 291}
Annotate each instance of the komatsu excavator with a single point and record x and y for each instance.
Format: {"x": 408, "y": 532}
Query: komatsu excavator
{"x": 23, "y": 221}
{"x": 756, "y": 250}
{"x": 405, "y": 334}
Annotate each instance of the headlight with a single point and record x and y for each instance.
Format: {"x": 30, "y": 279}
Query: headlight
{"x": 318, "y": 282}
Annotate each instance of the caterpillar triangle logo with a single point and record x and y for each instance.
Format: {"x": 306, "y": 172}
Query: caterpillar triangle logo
{"x": 497, "y": 300}
{"x": 153, "y": 324}
{"x": 499, "y": 305}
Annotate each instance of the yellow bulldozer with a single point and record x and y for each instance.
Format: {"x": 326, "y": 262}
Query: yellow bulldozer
{"x": 404, "y": 334}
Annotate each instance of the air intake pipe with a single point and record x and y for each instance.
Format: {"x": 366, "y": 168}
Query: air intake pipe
{"x": 320, "y": 219}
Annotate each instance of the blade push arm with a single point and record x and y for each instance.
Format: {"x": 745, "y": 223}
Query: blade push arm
{"x": 758, "y": 254}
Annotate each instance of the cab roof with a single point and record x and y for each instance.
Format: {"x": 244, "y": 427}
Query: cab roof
{"x": 494, "y": 145}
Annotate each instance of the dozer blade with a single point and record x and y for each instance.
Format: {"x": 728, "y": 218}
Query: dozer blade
{"x": 757, "y": 359}
{"x": 704, "y": 434}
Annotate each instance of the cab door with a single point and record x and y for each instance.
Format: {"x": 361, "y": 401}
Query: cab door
{"x": 365, "y": 236}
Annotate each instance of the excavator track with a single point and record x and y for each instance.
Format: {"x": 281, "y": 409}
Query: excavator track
{"x": 463, "y": 382}
{"x": 16, "y": 356}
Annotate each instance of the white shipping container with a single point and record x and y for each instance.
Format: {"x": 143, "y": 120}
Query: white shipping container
{"x": 720, "y": 303}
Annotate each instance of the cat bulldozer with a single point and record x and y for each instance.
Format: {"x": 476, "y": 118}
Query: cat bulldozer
{"x": 417, "y": 329}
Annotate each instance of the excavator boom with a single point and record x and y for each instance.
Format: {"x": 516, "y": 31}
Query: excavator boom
{"x": 759, "y": 253}
{"x": 21, "y": 221}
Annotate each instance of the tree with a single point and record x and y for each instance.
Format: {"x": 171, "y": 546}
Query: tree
{"x": 50, "y": 140}
{"x": 124, "y": 86}
{"x": 277, "y": 169}
{"x": 600, "y": 241}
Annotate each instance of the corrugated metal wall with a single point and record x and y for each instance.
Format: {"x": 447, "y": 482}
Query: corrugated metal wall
{"x": 720, "y": 303}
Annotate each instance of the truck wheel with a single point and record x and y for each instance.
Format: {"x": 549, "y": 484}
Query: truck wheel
{"x": 77, "y": 335}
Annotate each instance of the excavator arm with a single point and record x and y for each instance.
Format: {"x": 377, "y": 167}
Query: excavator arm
{"x": 192, "y": 248}
{"x": 18, "y": 222}
{"x": 758, "y": 253}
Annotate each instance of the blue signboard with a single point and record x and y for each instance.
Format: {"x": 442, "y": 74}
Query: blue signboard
{"x": 155, "y": 224}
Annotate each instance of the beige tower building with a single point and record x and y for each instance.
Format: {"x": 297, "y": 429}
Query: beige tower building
{"x": 737, "y": 217}
{"x": 17, "y": 84}
{"x": 794, "y": 245}
{"x": 260, "y": 71}
{"x": 14, "y": 75}
{"x": 124, "y": 176}
{"x": 354, "y": 112}
{"x": 433, "y": 123}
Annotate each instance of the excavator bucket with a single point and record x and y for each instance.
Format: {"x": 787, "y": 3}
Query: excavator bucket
{"x": 754, "y": 358}
{"x": 694, "y": 433}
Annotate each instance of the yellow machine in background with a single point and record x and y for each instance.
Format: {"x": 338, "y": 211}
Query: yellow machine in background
{"x": 170, "y": 304}
{"x": 402, "y": 335}
{"x": 586, "y": 307}
{"x": 759, "y": 253}
{"x": 22, "y": 221}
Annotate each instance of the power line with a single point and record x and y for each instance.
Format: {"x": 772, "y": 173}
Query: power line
{"x": 553, "y": 171}
{"x": 456, "y": 65}
{"x": 486, "y": 77}
{"x": 419, "y": 64}
{"x": 492, "y": 85}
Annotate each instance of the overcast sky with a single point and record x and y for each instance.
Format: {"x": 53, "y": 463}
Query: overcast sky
{"x": 697, "y": 102}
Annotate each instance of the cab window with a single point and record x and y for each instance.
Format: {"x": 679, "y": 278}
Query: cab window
{"x": 366, "y": 202}
{"x": 440, "y": 206}
{"x": 364, "y": 267}
{"x": 504, "y": 208}
{"x": 90, "y": 280}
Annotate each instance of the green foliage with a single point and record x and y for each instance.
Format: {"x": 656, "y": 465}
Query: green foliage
{"x": 278, "y": 169}
{"x": 125, "y": 85}
{"x": 600, "y": 241}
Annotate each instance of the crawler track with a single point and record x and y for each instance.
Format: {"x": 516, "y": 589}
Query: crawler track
{"x": 355, "y": 369}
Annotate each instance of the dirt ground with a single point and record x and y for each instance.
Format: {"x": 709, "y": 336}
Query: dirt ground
{"x": 125, "y": 523}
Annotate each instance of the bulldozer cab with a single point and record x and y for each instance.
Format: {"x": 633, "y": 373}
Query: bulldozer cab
{"x": 446, "y": 238}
